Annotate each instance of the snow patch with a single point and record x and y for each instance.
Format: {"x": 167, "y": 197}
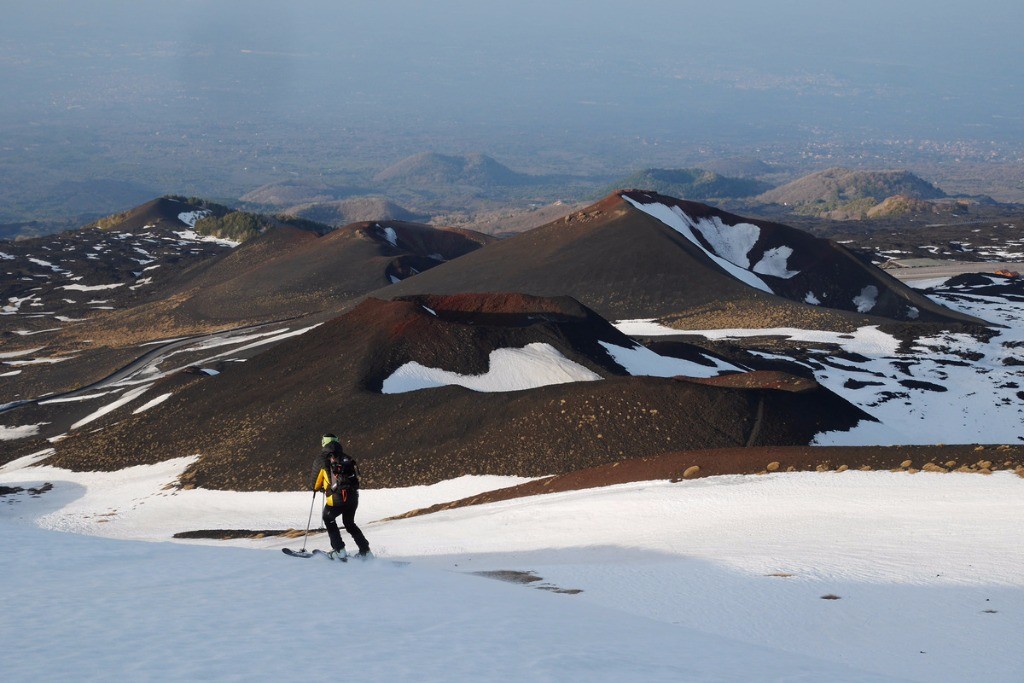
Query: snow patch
{"x": 535, "y": 365}
{"x": 867, "y": 299}
{"x": 20, "y": 432}
{"x": 720, "y": 238}
{"x": 189, "y": 218}
{"x": 91, "y": 288}
{"x": 128, "y": 397}
{"x": 775, "y": 262}
{"x": 155, "y": 402}
{"x": 641, "y": 361}
{"x": 16, "y": 354}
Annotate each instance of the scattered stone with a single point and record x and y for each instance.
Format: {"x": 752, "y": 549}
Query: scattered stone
{"x": 510, "y": 575}
{"x": 906, "y": 463}
{"x": 691, "y": 471}
{"x": 842, "y": 468}
{"x": 772, "y": 466}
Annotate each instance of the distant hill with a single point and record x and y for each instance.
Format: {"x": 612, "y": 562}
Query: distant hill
{"x": 430, "y": 169}
{"x": 292, "y": 192}
{"x": 353, "y": 210}
{"x": 692, "y": 183}
{"x": 511, "y": 220}
{"x": 171, "y": 211}
{"x": 842, "y": 193}
{"x": 741, "y": 167}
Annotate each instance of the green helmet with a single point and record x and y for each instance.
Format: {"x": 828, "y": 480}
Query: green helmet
{"x": 326, "y": 439}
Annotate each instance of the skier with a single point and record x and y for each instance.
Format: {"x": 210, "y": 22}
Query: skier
{"x": 339, "y": 480}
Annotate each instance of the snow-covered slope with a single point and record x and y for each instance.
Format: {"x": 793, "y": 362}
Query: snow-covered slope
{"x": 720, "y": 579}
{"x": 947, "y": 387}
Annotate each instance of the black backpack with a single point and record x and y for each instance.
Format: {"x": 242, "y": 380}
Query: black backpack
{"x": 344, "y": 472}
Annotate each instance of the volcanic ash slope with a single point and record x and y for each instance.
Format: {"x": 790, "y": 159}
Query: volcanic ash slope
{"x": 638, "y": 254}
{"x": 423, "y": 388}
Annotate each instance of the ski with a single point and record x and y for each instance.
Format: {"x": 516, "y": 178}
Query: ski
{"x": 321, "y": 553}
{"x": 324, "y": 555}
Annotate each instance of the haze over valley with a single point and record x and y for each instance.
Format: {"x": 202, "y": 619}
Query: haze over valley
{"x": 107, "y": 105}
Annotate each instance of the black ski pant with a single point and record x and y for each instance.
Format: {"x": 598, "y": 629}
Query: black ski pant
{"x": 347, "y": 511}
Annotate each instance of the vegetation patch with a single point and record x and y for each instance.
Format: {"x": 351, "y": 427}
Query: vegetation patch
{"x": 237, "y": 226}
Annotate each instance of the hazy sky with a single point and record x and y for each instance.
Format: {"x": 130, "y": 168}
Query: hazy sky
{"x": 524, "y": 61}
{"x": 461, "y": 75}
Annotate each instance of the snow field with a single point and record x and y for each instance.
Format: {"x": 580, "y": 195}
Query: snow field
{"x": 160, "y": 612}
{"x": 717, "y": 579}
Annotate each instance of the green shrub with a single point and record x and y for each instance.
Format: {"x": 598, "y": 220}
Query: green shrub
{"x": 237, "y": 226}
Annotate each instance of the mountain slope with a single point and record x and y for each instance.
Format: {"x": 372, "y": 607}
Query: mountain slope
{"x": 97, "y": 296}
{"x": 287, "y": 271}
{"x": 352, "y": 210}
{"x": 426, "y": 387}
{"x": 637, "y": 254}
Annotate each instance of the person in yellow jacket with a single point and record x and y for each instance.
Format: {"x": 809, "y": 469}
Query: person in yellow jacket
{"x": 339, "y": 480}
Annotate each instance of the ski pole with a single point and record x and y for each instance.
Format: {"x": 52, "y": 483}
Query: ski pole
{"x": 309, "y": 521}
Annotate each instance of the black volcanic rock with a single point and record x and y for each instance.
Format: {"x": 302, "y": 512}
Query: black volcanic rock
{"x": 256, "y": 427}
{"x": 625, "y": 263}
